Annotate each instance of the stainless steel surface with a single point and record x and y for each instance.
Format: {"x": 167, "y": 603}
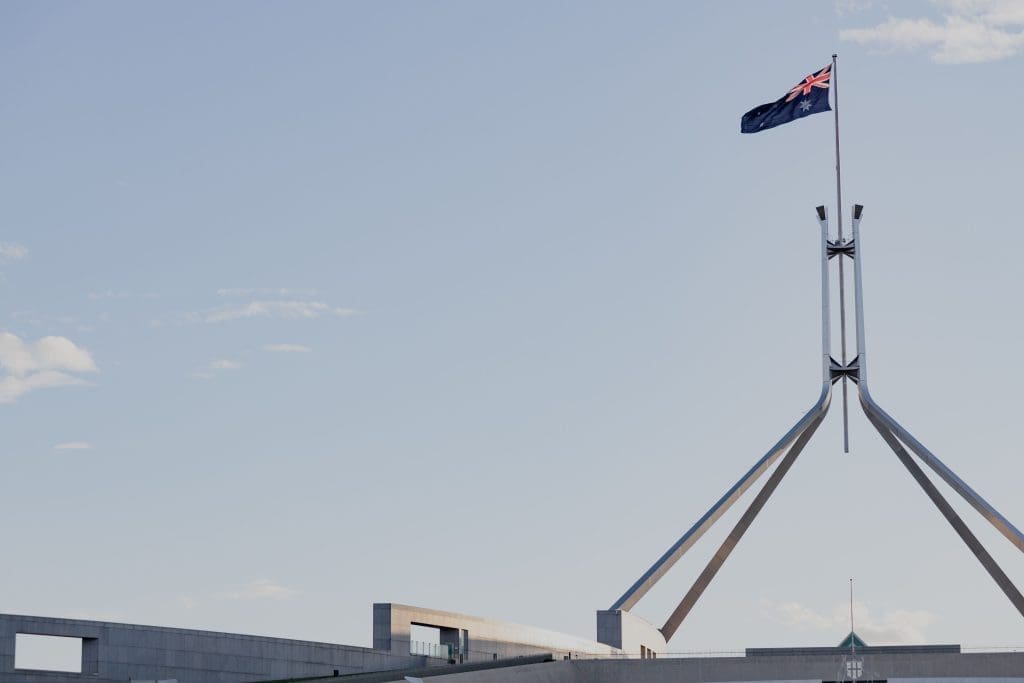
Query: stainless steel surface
{"x": 686, "y": 541}
{"x": 675, "y": 620}
{"x": 815, "y": 414}
{"x": 835, "y": 112}
{"x": 826, "y": 297}
{"x": 858, "y": 297}
{"x": 990, "y": 565}
{"x": 986, "y": 510}
{"x": 995, "y": 518}
{"x": 839, "y": 242}
{"x": 793, "y": 442}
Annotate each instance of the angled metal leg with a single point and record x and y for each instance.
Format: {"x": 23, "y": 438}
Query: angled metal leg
{"x": 817, "y": 411}
{"x": 700, "y": 585}
{"x": 1005, "y": 527}
{"x": 1000, "y": 577}
{"x": 894, "y": 433}
{"x": 997, "y": 520}
{"x": 686, "y": 541}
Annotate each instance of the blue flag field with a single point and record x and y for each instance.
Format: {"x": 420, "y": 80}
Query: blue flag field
{"x": 809, "y": 96}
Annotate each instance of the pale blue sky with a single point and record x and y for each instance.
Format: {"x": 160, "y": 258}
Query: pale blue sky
{"x": 478, "y": 306}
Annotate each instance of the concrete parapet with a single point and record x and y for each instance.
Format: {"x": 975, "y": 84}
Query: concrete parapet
{"x": 629, "y": 633}
{"x": 476, "y": 638}
{"x": 122, "y": 652}
{"x": 923, "y": 667}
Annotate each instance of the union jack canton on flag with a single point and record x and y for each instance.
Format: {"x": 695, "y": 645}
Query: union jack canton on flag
{"x": 809, "y": 96}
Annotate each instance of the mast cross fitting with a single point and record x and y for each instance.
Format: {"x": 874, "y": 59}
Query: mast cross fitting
{"x": 837, "y": 370}
{"x": 786, "y": 450}
{"x": 841, "y": 248}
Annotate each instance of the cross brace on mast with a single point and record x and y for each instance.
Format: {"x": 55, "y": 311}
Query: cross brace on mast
{"x": 788, "y": 448}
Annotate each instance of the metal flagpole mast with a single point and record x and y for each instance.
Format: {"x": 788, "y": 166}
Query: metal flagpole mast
{"x": 839, "y": 242}
{"x": 610, "y": 621}
{"x": 853, "y": 641}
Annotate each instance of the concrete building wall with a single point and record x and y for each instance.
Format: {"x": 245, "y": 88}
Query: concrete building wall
{"x": 487, "y": 638}
{"x": 552, "y": 672}
{"x": 629, "y": 633}
{"x": 912, "y": 668}
{"x": 121, "y": 652}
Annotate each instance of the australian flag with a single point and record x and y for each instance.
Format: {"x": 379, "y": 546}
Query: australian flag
{"x": 807, "y": 97}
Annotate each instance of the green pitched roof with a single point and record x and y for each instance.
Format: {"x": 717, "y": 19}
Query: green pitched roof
{"x": 852, "y": 639}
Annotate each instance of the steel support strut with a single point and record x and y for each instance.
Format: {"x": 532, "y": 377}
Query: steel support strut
{"x": 968, "y": 537}
{"x": 790, "y": 444}
{"x": 1005, "y": 527}
{"x": 675, "y": 620}
{"x": 686, "y": 541}
{"x": 893, "y": 433}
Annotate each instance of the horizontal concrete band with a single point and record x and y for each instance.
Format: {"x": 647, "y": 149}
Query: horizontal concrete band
{"x": 862, "y": 650}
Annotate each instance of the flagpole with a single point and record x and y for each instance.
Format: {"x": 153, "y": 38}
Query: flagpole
{"x": 853, "y": 640}
{"x": 842, "y": 288}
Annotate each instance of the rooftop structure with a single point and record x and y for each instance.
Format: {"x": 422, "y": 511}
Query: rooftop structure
{"x": 627, "y": 648}
{"x": 475, "y": 650}
{"x": 617, "y": 620}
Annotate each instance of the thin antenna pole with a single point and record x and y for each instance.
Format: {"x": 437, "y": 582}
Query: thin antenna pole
{"x": 842, "y": 279}
{"x": 853, "y": 640}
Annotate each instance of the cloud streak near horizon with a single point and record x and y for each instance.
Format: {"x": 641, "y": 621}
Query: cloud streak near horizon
{"x": 286, "y": 348}
{"x": 259, "y": 589}
{"x": 293, "y": 309}
{"x": 73, "y": 446}
{"x": 895, "y": 627}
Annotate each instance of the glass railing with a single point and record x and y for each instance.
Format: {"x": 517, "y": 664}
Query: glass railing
{"x": 430, "y": 649}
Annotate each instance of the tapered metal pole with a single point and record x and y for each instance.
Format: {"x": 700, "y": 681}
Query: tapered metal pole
{"x": 680, "y": 613}
{"x": 642, "y": 585}
{"x": 972, "y": 542}
{"x": 817, "y": 411}
{"x": 853, "y": 641}
{"x": 807, "y": 423}
{"x": 893, "y": 433}
{"x": 994, "y": 517}
{"x": 839, "y": 240}
{"x": 803, "y": 432}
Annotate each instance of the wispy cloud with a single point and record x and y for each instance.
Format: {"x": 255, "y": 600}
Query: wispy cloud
{"x": 46, "y": 363}
{"x": 272, "y": 309}
{"x": 896, "y": 627}
{"x": 853, "y": 6}
{"x": 121, "y": 294}
{"x": 233, "y": 292}
{"x": 73, "y": 446}
{"x": 12, "y": 252}
{"x": 967, "y": 32}
{"x": 259, "y": 589}
{"x": 286, "y": 348}
{"x": 214, "y": 366}
{"x": 45, "y": 319}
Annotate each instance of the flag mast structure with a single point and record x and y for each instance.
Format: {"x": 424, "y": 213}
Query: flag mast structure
{"x": 840, "y": 241}
{"x": 612, "y": 622}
